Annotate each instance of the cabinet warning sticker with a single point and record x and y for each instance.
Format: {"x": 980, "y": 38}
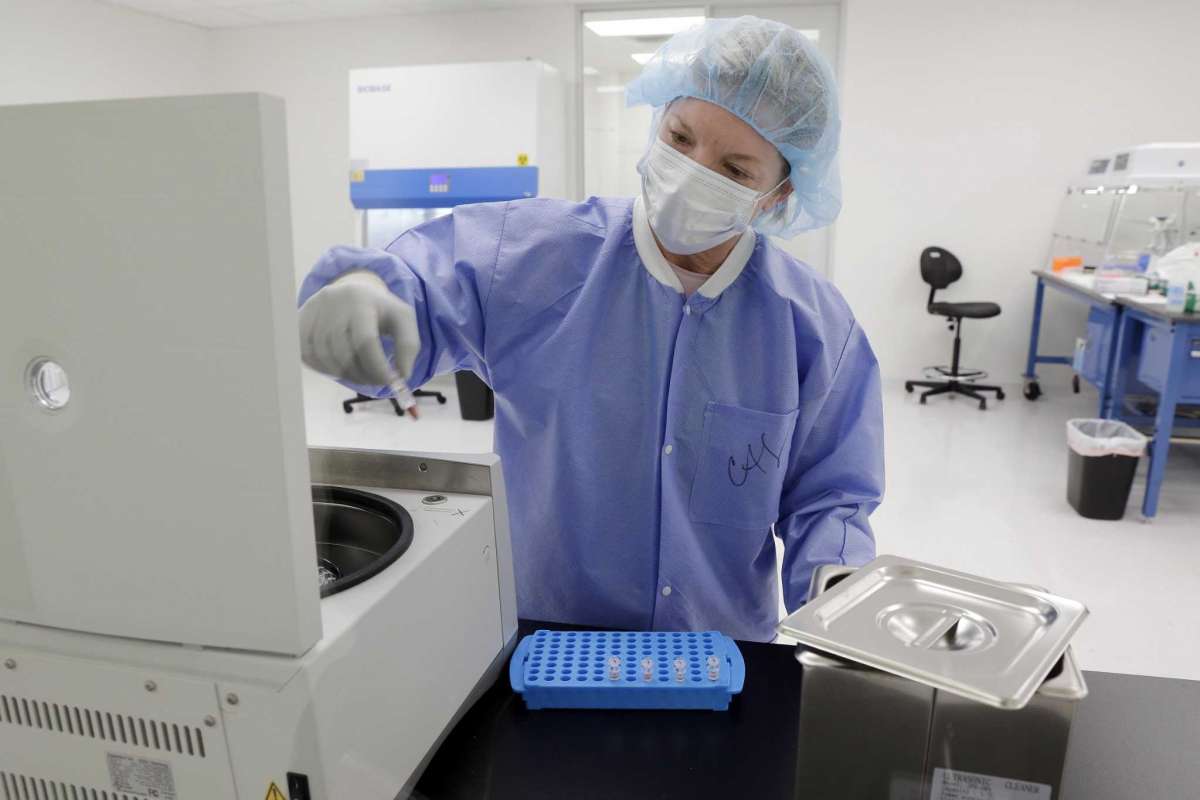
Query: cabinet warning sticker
{"x": 273, "y": 793}
{"x": 949, "y": 784}
{"x": 141, "y": 776}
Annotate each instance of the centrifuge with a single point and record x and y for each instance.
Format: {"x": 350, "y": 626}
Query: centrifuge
{"x": 193, "y": 603}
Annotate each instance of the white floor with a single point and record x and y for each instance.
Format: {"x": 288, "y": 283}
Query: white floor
{"x": 979, "y": 491}
{"x": 985, "y": 492}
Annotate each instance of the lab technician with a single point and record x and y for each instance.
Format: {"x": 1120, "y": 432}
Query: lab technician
{"x": 672, "y": 389}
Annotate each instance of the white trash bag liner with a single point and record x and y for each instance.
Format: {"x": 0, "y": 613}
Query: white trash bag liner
{"x": 1104, "y": 437}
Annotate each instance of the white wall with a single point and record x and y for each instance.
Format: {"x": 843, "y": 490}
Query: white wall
{"x": 61, "y": 50}
{"x": 308, "y": 66}
{"x": 963, "y": 121}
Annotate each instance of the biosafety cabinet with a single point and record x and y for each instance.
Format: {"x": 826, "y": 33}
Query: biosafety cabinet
{"x": 1135, "y": 202}
{"x": 427, "y": 138}
{"x": 193, "y": 604}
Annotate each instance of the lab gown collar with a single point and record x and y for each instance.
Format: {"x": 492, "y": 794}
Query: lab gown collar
{"x": 656, "y": 263}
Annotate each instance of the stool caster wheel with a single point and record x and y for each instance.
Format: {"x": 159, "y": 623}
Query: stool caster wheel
{"x": 983, "y": 405}
{"x": 441, "y": 400}
{"x": 346, "y": 407}
{"x": 1075, "y": 383}
{"x": 908, "y": 387}
{"x": 1033, "y": 390}
{"x": 999, "y": 395}
{"x": 922, "y": 399}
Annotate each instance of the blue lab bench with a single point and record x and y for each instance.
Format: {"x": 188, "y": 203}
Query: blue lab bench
{"x": 1134, "y": 347}
{"x": 1103, "y": 319}
{"x": 1158, "y": 349}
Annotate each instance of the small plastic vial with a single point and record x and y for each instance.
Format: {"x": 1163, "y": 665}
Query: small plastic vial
{"x": 404, "y": 396}
{"x": 647, "y": 669}
{"x": 714, "y": 668}
{"x": 680, "y": 668}
{"x": 614, "y": 668}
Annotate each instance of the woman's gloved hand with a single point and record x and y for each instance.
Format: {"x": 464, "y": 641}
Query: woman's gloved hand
{"x": 341, "y": 325}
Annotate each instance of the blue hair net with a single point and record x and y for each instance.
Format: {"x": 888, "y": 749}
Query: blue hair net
{"x": 772, "y": 77}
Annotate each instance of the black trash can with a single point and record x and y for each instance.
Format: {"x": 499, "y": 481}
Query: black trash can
{"x": 475, "y": 398}
{"x": 1103, "y": 458}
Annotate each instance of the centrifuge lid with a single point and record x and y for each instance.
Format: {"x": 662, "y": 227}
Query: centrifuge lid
{"x": 154, "y": 478}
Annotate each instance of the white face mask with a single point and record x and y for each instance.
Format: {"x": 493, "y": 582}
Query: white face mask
{"x": 691, "y": 208}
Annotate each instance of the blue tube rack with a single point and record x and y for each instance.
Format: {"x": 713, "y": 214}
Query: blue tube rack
{"x": 574, "y": 669}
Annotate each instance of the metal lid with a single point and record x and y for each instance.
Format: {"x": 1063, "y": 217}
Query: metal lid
{"x": 982, "y": 639}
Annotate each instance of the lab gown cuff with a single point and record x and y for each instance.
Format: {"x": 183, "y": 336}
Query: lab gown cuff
{"x": 339, "y": 261}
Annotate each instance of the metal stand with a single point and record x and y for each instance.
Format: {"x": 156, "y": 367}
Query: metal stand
{"x": 1107, "y": 305}
{"x": 957, "y": 382}
{"x": 348, "y": 405}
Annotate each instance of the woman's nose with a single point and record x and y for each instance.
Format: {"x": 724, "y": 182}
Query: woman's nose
{"x": 705, "y": 157}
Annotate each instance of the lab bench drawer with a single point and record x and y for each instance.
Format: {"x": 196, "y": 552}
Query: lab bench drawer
{"x": 1156, "y": 358}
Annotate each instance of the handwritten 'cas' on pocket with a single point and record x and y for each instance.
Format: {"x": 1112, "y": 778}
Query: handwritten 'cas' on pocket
{"x": 742, "y": 465}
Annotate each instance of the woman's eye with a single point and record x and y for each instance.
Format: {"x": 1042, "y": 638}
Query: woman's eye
{"x": 678, "y": 138}
{"x": 735, "y": 172}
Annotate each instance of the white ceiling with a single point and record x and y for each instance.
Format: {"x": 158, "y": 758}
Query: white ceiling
{"x": 613, "y": 54}
{"x": 244, "y": 13}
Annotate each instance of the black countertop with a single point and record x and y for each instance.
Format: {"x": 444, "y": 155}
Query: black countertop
{"x": 1133, "y": 737}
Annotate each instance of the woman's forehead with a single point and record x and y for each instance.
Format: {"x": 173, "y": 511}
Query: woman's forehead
{"x": 711, "y": 120}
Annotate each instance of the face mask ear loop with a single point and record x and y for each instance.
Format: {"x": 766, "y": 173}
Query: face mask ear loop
{"x": 758, "y": 209}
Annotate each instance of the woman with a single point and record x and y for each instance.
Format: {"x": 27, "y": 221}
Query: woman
{"x": 671, "y": 388}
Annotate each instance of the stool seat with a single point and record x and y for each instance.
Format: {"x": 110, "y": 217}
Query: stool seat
{"x": 966, "y": 310}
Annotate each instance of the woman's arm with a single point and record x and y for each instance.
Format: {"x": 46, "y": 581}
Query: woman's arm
{"x": 835, "y": 479}
{"x": 442, "y": 272}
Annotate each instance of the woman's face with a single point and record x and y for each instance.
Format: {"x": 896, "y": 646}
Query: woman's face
{"x": 718, "y": 140}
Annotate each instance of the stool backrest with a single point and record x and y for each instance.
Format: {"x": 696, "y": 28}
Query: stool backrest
{"x": 939, "y": 267}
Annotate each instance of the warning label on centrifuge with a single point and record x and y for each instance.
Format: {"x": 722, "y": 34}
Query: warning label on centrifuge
{"x": 141, "y": 776}
{"x": 951, "y": 784}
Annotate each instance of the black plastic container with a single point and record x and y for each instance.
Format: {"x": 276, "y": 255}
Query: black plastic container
{"x": 1098, "y": 486}
{"x": 475, "y": 398}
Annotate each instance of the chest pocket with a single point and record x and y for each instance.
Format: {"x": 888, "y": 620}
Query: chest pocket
{"x": 742, "y": 464}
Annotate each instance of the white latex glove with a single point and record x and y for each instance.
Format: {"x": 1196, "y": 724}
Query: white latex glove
{"x": 340, "y": 328}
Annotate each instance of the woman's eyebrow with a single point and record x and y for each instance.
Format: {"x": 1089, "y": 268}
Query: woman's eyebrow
{"x": 745, "y": 157}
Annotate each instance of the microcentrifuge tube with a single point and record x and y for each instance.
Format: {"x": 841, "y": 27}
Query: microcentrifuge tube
{"x": 680, "y": 668}
{"x": 647, "y": 669}
{"x": 714, "y": 668}
{"x": 404, "y": 396}
{"x": 614, "y": 668}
